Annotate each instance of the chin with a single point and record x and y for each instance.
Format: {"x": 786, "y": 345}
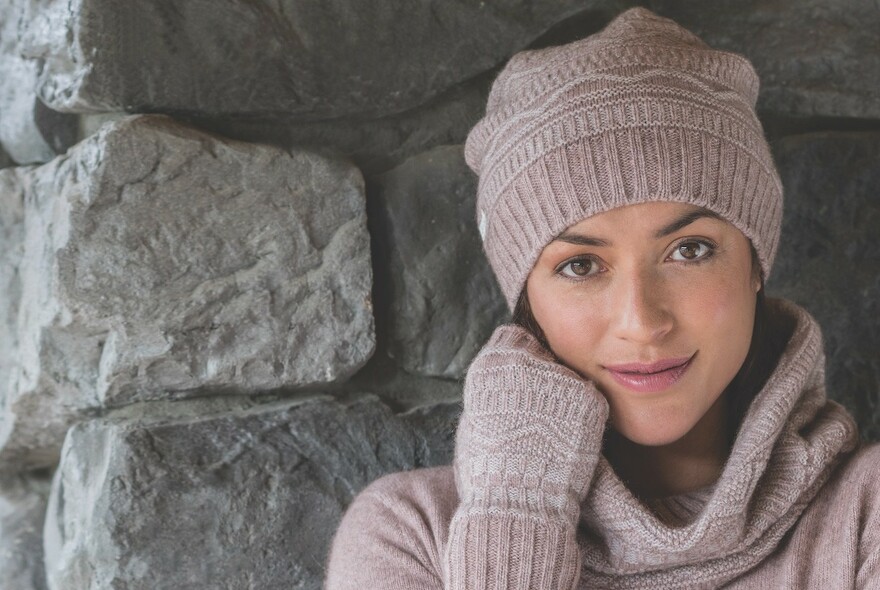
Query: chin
{"x": 653, "y": 435}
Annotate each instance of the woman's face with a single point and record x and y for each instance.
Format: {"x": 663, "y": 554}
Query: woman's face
{"x": 646, "y": 283}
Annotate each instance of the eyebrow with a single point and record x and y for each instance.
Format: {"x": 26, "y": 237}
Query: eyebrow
{"x": 674, "y": 226}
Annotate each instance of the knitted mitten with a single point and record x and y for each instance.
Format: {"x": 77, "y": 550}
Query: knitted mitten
{"x": 527, "y": 444}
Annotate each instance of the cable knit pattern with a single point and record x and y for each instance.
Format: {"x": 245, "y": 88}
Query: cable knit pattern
{"x": 531, "y": 502}
{"x": 527, "y": 443}
{"x": 791, "y": 438}
{"x": 641, "y": 111}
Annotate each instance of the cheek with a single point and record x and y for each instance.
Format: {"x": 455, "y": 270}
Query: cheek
{"x": 573, "y": 327}
{"x": 722, "y": 330}
{"x": 726, "y": 303}
{"x": 576, "y": 337}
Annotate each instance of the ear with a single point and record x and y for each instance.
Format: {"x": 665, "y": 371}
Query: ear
{"x": 757, "y": 273}
{"x": 757, "y": 280}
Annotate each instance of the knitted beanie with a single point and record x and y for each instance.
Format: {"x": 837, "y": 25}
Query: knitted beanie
{"x": 641, "y": 111}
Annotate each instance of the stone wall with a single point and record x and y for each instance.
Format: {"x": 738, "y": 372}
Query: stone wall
{"x": 240, "y": 272}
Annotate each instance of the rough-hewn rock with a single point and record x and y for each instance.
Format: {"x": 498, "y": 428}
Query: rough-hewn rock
{"x": 29, "y": 131}
{"x": 161, "y": 262}
{"x": 445, "y": 300}
{"x": 829, "y": 257}
{"x": 5, "y": 160}
{"x": 22, "y": 511}
{"x": 374, "y": 145}
{"x": 11, "y": 249}
{"x": 310, "y": 58}
{"x": 814, "y": 57}
{"x": 245, "y": 499}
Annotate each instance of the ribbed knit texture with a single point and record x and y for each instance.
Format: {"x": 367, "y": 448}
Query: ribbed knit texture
{"x": 791, "y": 437}
{"x": 534, "y": 503}
{"x": 527, "y": 444}
{"x": 640, "y": 111}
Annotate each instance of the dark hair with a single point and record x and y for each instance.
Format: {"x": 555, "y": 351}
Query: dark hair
{"x": 770, "y": 334}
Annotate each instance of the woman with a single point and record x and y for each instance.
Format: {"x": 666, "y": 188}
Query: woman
{"x": 650, "y": 419}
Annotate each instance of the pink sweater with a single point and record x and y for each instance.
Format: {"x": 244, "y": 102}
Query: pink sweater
{"x": 530, "y": 502}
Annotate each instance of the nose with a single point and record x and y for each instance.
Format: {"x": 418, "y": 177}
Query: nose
{"x": 641, "y": 308}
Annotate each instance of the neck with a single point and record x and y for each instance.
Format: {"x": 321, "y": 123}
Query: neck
{"x": 691, "y": 462}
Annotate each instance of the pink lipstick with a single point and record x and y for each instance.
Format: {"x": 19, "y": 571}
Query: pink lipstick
{"x": 649, "y": 378}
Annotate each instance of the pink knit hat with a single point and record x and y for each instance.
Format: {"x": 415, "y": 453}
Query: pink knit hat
{"x": 641, "y": 111}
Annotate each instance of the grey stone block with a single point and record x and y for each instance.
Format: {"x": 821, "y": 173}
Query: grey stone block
{"x": 374, "y": 145}
{"x": 445, "y": 301}
{"x": 814, "y": 57}
{"x": 5, "y": 160}
{"x": 23, "y": 500}
{"x": 829, "y": 257}
{"x": 246, "y": 499}
{"x": 161, "y": 262}
{"x": 308, "y": 58}
{"x": 11, "y": 251}
{"x": 19, "y": 134}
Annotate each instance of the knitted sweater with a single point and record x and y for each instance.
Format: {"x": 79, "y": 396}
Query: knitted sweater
{"x": 531, "y": 502}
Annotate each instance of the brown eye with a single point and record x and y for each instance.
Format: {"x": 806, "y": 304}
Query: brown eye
{"x": 689, "y": 250}
{"x": 580, "y": 267}
{"x": 693, "y": 250}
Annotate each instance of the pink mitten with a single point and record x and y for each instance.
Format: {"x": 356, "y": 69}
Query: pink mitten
{"x": 527, "y": 444}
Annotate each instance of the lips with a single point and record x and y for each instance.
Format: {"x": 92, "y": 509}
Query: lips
{"x": 656, "y": 367}
{"x": 653, "y": 377}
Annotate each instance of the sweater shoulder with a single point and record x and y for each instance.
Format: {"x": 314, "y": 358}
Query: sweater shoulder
{"x": 424, "y": 485}
{"x": 420, "y": 500}
{"x": 862, "y": 466}
{"x": 425, "y": 497}
{"x": 852, "y": 488}
{"x": 395, "y": 530}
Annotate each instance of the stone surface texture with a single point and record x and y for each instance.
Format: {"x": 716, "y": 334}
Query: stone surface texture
{"x": 829, "y": 257}
{"x": 29, "y": 132}
{"x": 11, "y": 250}
{"x": 238, "y": 310}
{"x": 309, "y": 58}
{"x": 813, "y": 57}
{"x": 23, "y": 500}
{"x": 161, "y": 262}
{"x": 298, "y": 64}
{"x": 445, "y": 302}
{"x": 375, "y": 145}
{"x": 245, "y": 499}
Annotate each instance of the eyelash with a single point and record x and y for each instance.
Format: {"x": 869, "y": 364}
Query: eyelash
{"x": 710, "y": 252}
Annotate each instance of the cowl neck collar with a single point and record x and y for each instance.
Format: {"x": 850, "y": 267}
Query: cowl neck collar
{"x": 790, "y": 440}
